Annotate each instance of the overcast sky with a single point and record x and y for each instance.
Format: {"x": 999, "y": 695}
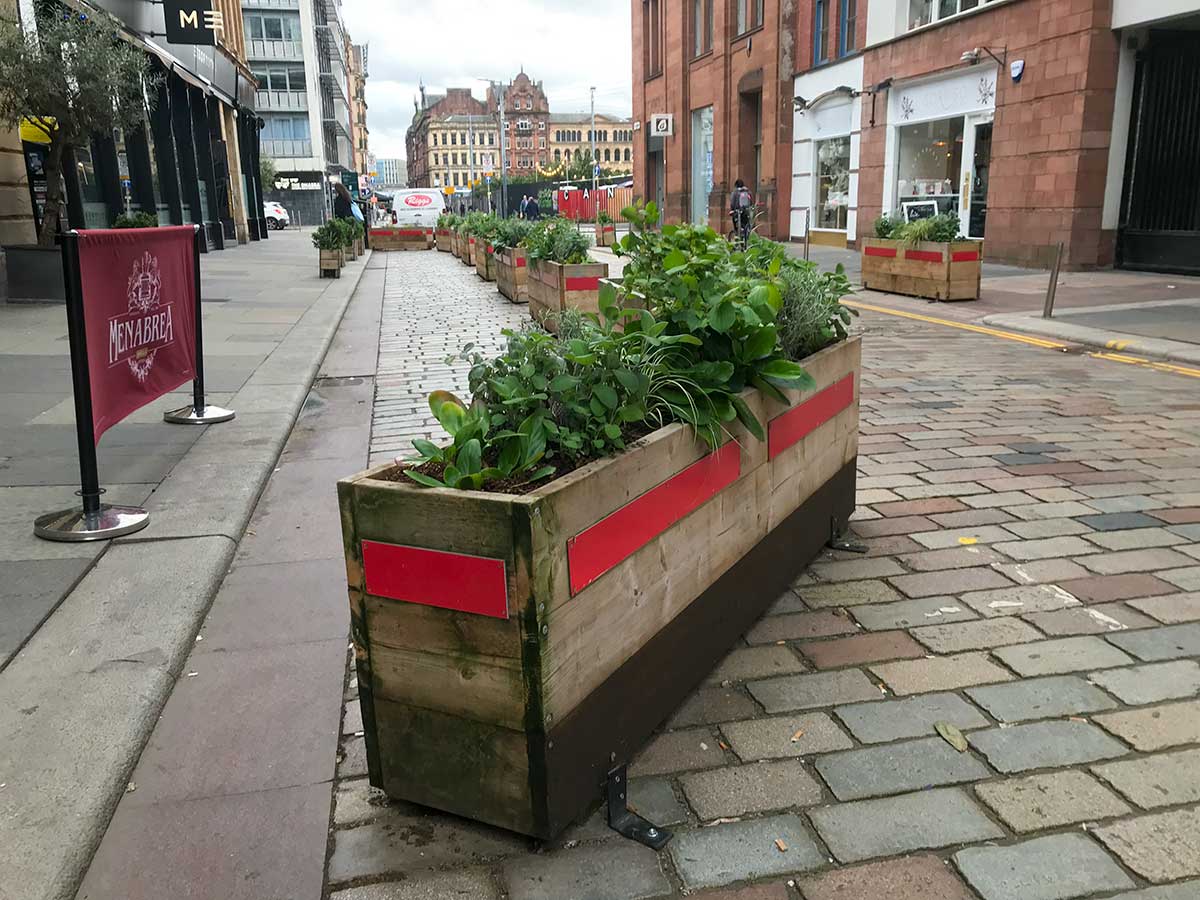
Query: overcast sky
{"x": 448, "y": 43}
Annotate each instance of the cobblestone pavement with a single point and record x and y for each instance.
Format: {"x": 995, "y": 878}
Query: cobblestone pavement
{"x": 1032, "y": 578}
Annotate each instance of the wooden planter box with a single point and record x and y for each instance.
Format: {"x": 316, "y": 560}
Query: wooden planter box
{"x": 512, "y": 650}
{"x": 398, "y": 238}
{"x": 937, "y": 271}
{"x": 351, "y": 251}
{"x": 554, "y": 287}
{"x": 512, "y": 274}
{"x": 443, "y": 239}
{"x": 606, "y": 235}
{"x": 329, "y": 263}
{"x": 484, "y": 261}
{"x": 468, "y": 251}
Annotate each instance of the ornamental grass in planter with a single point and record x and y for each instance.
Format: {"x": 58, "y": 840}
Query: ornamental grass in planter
{"x": 614, "y": 507}
{"x": 923, "y": 258}
{"x": 561, "y": 275}
{"x": 508, "y": 259}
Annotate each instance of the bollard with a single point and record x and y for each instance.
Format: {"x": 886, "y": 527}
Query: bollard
{"x": 1052, "y": 287}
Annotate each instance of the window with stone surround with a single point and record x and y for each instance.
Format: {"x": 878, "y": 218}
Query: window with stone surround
{"x": 926, "y": 12}
{"x": 701, "y": 27}
{"x": 749, "y": 15}
{"x": 652, "y": 37}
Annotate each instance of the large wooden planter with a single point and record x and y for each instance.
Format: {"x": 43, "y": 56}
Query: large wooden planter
{"x": 443, "y": 240}
{"x": 329, "y": 263}
{"x": 399, "y": 238}
{"x": 606, "y": 235}
{"x": 468, "y": 251}
{"x": 483, "y": 261}
{"x": 512, "y": 650}
{"x": 937, "y": 271}
{"x": 554, "y": 288}
{"x": 512, "y": 274}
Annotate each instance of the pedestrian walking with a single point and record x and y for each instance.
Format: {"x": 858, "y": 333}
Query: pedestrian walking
{"x": 524, "y": 203}
{"x": 533, "y": 211}
{"x": 343, "y": 203}
{"x": 741, "y": 206}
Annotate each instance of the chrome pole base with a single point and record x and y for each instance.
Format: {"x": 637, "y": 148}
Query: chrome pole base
{"x": 190, "y": 415}
{"x": 76, "y": 525}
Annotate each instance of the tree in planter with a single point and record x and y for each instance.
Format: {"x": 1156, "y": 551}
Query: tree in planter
{"x": 75, "y": 77}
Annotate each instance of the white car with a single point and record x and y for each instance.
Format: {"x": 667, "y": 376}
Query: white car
{"x": 276, "y": 216}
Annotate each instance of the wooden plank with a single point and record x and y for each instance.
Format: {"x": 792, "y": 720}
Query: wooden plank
{"x": 433, "y": 630}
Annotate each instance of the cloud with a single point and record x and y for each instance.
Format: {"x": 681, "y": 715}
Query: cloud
{"x": 453, "y": 43}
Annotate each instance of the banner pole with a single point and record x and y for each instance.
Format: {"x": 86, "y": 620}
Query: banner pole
{"x": 199, "y": 413}
{"x": 93, "y": 521}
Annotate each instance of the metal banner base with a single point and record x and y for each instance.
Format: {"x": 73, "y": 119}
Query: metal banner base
{"x": 77, "y": 525}
{"x": 191, "y": 415}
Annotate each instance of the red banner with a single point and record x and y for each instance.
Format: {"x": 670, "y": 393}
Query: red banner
{"x": 139, "y": 302}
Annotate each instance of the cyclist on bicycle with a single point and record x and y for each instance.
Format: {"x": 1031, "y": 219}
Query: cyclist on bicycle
{"x": 741, "y": 206}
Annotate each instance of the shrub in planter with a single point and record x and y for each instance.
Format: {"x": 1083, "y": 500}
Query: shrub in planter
{"x": 561, "y": 276}
{"x": 508, "y": 259}
{"x": 613, "y": 508}
{"x": 135, "y": 220}
{"x": 606, "y": 229}
{"x": 445, "y": 224}
{"x": 328, "y": 239}
{"x": 483, "y": 229}
{"x": 925, "y": 258}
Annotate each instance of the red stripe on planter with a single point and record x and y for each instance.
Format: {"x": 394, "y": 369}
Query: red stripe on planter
{"x": 599, "y": 548}
{"x": 471, "y": 584}
{"x": 923, "y": 255}
{"x": 410, "y": 232}
{"x": 470, "y": 240}
{"x": 489, "y": 249}
{"x": 583, "y": 283}
{"x": 381, "y": 231}
{"x": 799, "y": 421}
{"x": 520, "y": 262}
{"x": 964, "y": 256}
{"x": 880, "y": 251}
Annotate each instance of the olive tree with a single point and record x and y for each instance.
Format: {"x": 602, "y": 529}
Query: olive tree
{"x": 71, "y": 77}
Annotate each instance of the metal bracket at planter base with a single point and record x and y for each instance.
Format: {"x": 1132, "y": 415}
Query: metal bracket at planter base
{"x": 193, "y": 415}
{"x": 839, "y": 541}
{"x": 625, "y": 821}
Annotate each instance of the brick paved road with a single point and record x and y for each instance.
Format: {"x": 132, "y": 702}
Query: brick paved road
{"x": 1033, "y": 578}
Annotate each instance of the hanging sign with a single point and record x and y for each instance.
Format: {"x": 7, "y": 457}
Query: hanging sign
{"x": 139, "y": 298}
{"x": 662, "y": 125}
{"x": 192, "y": 22}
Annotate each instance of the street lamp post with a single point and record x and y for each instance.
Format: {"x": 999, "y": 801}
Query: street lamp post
{"x": 499, "y": 85}
{"x": 595, "y": 159}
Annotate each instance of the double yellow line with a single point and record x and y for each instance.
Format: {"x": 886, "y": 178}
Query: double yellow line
{"x": 1033, "y": 341}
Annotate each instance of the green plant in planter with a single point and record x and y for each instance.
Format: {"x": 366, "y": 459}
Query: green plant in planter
{"x": 136, "y": 220}
{"x": 812, "y": 316}
{"x": 345, "y": 230}
{"x": 558, "y": 241}
{"x": 448, "y": 220}
{"x": 603, "y": 218}
{"x": 328, "y": 236}
{"x": 510, "y": 233}
{"x": 886, "y": 226}
{"x": 940, "y": 229}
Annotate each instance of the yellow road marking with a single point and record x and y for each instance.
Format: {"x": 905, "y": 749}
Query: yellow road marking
{"x": 1036, "y": 342}
{"x": 965, "y": 326}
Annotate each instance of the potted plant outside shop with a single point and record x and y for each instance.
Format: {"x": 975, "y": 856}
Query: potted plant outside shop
{"x": 924, "y": 258}
{"x": 613, "y": 508}
{"x": 61, "y": 99}
{"x": 561, "y": 276}
{"x": 328, "y": 240}
{"x": 511, "y": 266}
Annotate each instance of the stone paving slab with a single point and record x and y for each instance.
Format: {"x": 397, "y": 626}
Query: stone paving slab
{"x": 1174, "y": 642}
{"x": 755, "y": 788}
{"x": 810, "y": 691}
{"x": 1040, "y": 802}
{"x": 1165, "y": 779}
{"x": 943, "y": 673}
{"x": 897, "y": 768}
{"x": 785, "y": 736}
{"x": 1041, "y": 698}
{"x": 1042, "y": 745}
{"x": 1156, "y": 728}
{"x": 1160, "y": 847}
{"x": 620, "y": 871}
{"x": 740, "y": 851}
{"x": 1058, "y": 867}
{"x": 1139, "y": 685}
{"x": 915, "y": 716}
{"x": 476, "y": 884}
{"x": 1071, "y": 654}
{"x": 911, "y": 878}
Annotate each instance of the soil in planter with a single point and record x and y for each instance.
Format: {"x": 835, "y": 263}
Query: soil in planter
{"x": 516, "y": 485}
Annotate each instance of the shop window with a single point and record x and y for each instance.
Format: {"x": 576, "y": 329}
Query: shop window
{"x": 929, "y": 163}
{"x": 821, "y": 32}
{"x": 701, "y": 27}
{"x": 833, "y": 183}
{"x": 702, "y": 163}
{"x": 749, "y": 15}
{"x": 925, "y": 12}
{"x": 847, "y": 25}
{"x": 652, "y": 37}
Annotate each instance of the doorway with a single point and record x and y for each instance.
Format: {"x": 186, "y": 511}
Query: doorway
{"x": 1160, "y": 211}
{"x": 976, "y": 164}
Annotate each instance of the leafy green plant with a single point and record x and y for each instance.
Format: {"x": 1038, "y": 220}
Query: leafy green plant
{"x": 136, "y": 220}
{"x": 812, "y": 316}
{"x": 940, "y": 229}
{"x": 448, "y": 220}
{"x": 558, "y": 241}
{"x": 462, "y": 460}
{"x": 345, "y": 230}
{"x": 328, "y": 236}
{"x": 603, "y": 218}
{"x": 885, "y": 226}
{"x": 546, "y": 201}
{"x": 510, "y": 233}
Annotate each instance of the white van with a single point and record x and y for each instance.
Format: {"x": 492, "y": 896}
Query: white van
{"x": 418, "y": 207}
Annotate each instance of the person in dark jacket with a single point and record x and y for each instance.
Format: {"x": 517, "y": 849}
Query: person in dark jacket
{"x": 741, "y": 209}
{"x": 343, "y": 203}
{"x": 533, "y": 212}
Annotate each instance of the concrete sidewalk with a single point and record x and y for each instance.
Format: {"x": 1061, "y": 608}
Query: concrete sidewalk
{"x": 102, "y": 629}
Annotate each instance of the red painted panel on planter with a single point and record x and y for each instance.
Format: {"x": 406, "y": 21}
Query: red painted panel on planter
{"x": 964, "y": 256}
{"x": 923, "y": 255}
{"x": 583, "y": 283}
{"x": 799, "y": 421}
{"x": 381, "y": 231}
{"x": 880, "y": 251}
{"x": 520, "y": 262}
{"x": 472, "y": 584}
{"x": 410, "y": 232}
{"x": 490, "y": 249}
{"x": 594, "y": 551}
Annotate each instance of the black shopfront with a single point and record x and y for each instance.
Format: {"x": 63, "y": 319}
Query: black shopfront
{"x": 177, "y": 165}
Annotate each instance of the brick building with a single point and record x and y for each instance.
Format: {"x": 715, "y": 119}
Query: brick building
{"x": 527, "y": 117}
{"x": 462, "y": 147}
{"x": 1037, "y": 122}
{"x": 724, "y": 70}
{"x": 427, "y": 111}
{"x": 571, "y": 138}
